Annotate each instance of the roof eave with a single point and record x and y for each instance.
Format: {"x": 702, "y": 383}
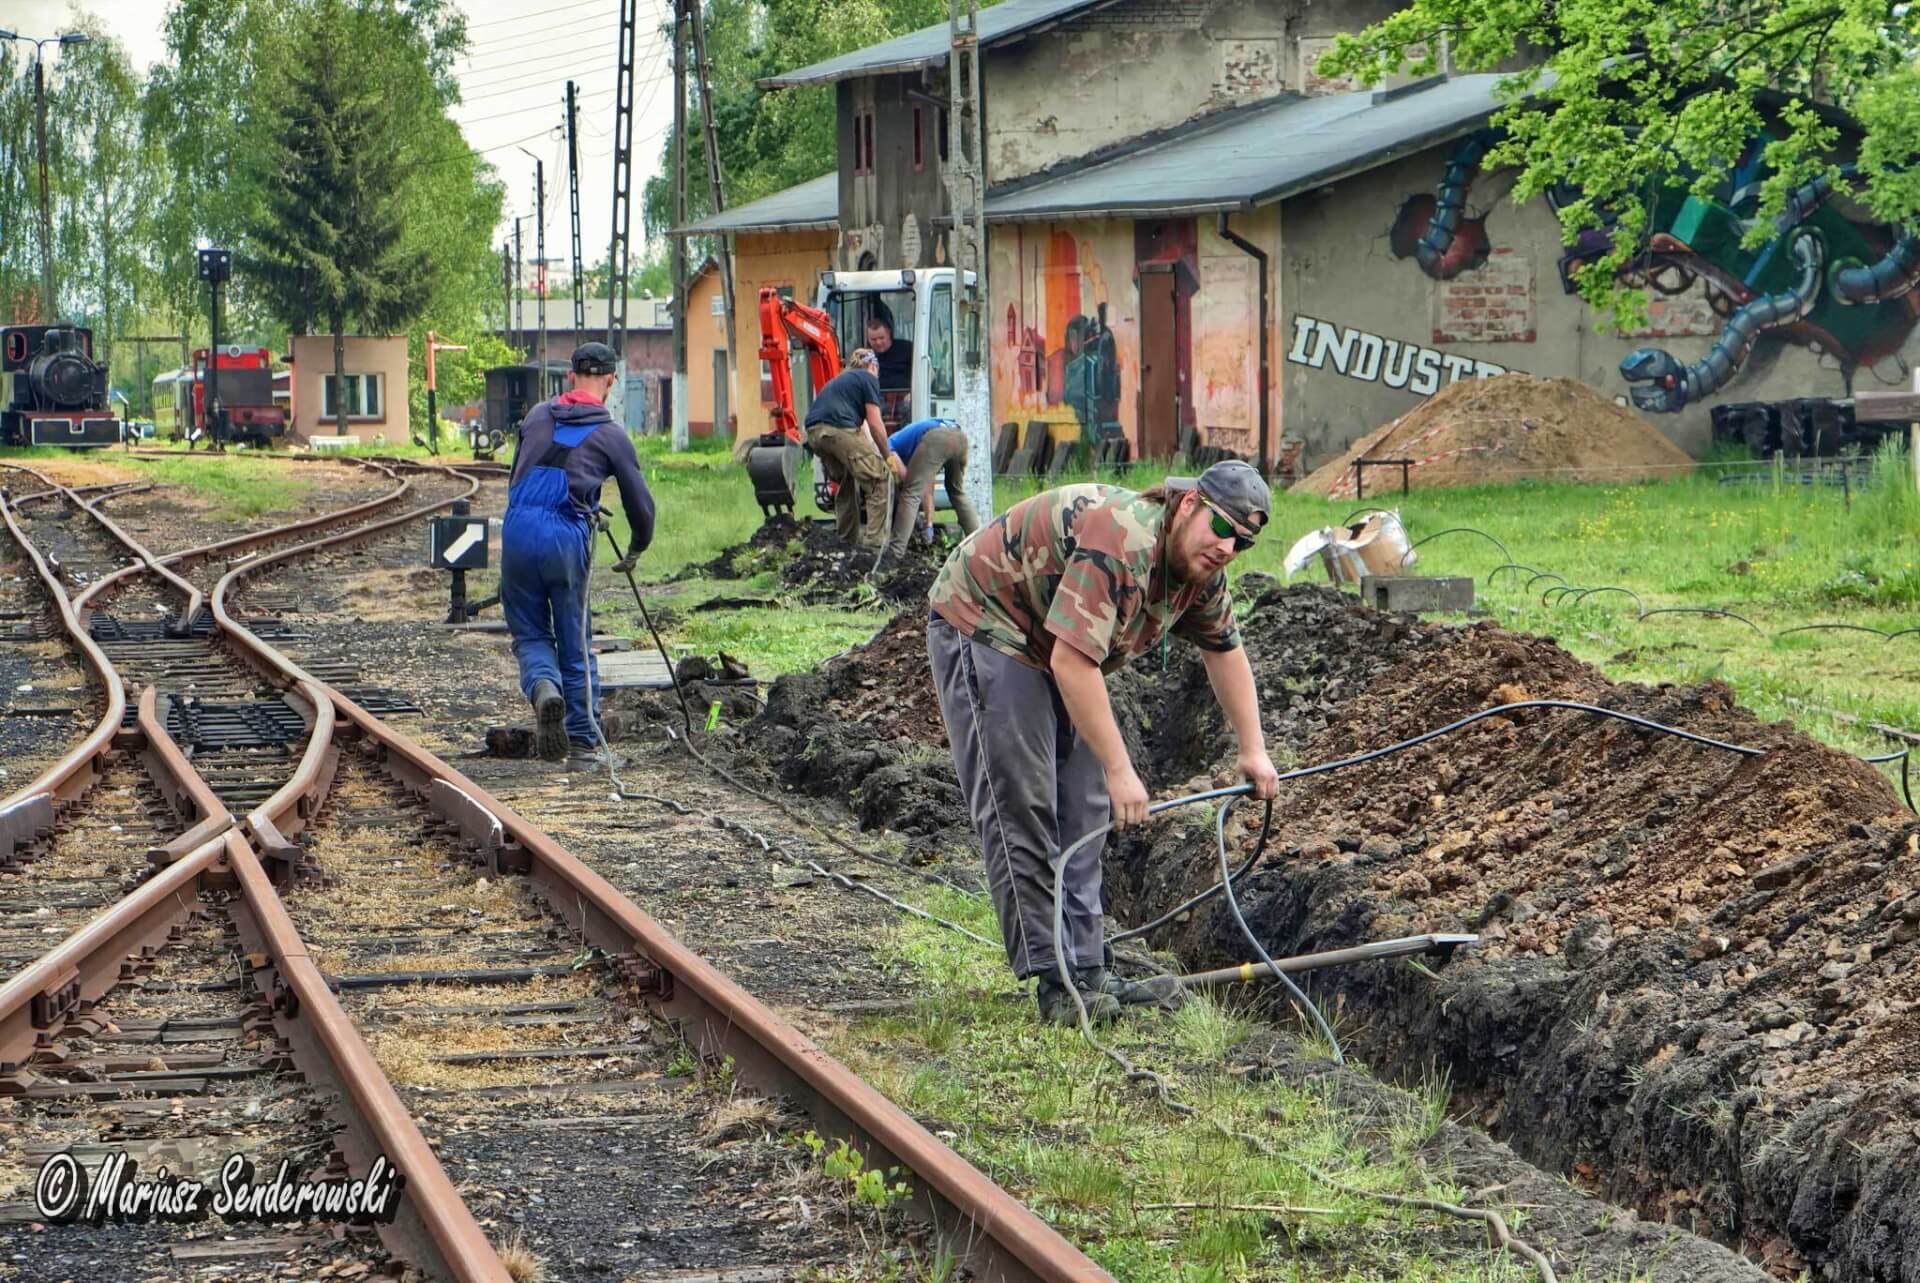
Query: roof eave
{"x": 805, "y": 225}
{"x": 1171, "y": 209}
{"x": 1372, "y": 160}
{"x": 797, "y": 81}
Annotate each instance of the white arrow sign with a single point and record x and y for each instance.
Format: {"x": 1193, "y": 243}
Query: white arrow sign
{"x": 468, "y": 538}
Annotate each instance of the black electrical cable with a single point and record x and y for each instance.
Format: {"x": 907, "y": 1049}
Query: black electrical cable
{"x": 1233, "y": 902}
{"x": 686, "y": 742}
{"x": 1259, "y": 848}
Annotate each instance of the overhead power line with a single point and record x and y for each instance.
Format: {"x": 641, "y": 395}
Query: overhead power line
{"x": 520, "y": 17}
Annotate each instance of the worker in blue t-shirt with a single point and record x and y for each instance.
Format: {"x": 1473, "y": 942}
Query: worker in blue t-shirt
{"x": 845, "y": 431}
{"x": 930, "y": 448}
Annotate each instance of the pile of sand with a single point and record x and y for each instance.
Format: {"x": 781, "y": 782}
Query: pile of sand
{"x": 1481, "y": 431}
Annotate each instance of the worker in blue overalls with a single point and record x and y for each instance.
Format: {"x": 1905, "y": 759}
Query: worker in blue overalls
{"x": 567, "y": 449}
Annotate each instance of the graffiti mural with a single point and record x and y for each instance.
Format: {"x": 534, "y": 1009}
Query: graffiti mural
{"x": 1058, "y": 331}
{"x": 1823, "y": 280}
{"x": 1430, "y": 227}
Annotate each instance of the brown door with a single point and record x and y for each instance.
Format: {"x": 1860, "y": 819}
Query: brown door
{"x": 1159, "y": 370}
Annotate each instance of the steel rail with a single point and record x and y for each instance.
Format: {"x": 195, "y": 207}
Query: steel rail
{"x": 83, "y": 968}
{"x": 179, "y": 783}
{"x": 296, "y": 802}
{"x": 29, "y": 811}
{"x": 999, "y": 1237}
{"x": 89, "y": 963}
{"x": 433, "y": 1228}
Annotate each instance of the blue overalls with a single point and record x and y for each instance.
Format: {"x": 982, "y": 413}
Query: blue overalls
{"x": 546, "y": 545}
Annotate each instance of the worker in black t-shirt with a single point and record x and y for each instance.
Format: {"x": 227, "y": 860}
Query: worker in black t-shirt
{"x": 896, "y": 355}
{"x": 844, "y": 429}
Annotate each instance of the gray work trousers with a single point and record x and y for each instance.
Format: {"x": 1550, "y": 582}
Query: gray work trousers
{"x": 942, "y": 453}
{"x": 1033, "y": 786}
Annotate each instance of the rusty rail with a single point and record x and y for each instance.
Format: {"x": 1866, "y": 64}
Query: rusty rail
{"x": 999, "y": 1237}
{"x": 28, "y": 811}
{"x": 434, "y": 1228}
{"x": 996, "y": 1235}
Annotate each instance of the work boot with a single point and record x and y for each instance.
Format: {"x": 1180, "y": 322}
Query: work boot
{"x": 550, "y": 716}
{"x": 1164, "y": 992}
{"x": 599, "y": 755}
{"x": 1056, "y": 1004}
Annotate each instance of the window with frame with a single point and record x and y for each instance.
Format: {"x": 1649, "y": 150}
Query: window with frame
{"x": 940, "y": 341}
{"x": 363, "y": 397}
{"x": 870, "y": 161}
{"x": 943, "y": 134}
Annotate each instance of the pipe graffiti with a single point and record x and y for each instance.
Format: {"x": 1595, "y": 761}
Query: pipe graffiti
{"x": 1825, "y": 279}
{"x": 1374, "y": 358}
{"x": 1663, "y": 385}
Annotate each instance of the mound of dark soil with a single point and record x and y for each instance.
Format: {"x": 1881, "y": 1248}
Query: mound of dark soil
{"x": 819, "y": 569}
{"x": 1699, "y": 982}
{"x": 765, "y": 548}
{"x": 866, "y": 729}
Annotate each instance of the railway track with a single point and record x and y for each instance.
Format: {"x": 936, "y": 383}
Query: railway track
{"x": 347, "y": 941}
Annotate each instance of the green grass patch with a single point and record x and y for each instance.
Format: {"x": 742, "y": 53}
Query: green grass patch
{"x": 237, "y": 486}
{"x": 1053, "y": 1121}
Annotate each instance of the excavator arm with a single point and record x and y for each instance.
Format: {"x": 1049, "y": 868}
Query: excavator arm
{"x": 773, "y": 459}
{"x": 783, "y": 323}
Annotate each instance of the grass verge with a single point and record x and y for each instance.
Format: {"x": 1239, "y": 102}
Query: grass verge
{"x": 1782, "y": 556}
{"x": 1148, "y": 1194}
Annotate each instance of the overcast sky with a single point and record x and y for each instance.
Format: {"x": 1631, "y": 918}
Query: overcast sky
{"x": 513, "y": 82}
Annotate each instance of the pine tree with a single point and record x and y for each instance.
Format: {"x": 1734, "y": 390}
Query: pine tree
{"x": 328, "y": 245}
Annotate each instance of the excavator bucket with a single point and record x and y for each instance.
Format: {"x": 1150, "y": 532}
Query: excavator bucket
{"x": 771, "y": 465}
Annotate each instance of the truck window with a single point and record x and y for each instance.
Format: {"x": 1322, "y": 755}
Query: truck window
{"x": 940, "y": 341}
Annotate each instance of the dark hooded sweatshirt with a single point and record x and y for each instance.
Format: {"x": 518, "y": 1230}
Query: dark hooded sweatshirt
{"x": 605, "y": 453}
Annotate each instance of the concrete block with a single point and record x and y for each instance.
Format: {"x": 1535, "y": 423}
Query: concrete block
{"x": 1417, "y": 592}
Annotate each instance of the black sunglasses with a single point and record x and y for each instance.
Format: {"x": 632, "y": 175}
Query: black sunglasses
{"x": 1224, "y": 529}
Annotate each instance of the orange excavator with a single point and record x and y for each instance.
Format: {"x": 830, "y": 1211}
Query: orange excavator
{"x": 773, "y": 460}
{"x": 947, "y": 376}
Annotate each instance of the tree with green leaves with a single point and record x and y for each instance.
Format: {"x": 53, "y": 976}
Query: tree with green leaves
{"x": 1615, "y": 104}
{"x": 328, "y": 245}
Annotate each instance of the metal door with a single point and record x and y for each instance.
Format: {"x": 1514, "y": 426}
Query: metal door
{"x": 1159, "y": 370}
{"x": 636, "y": 403}
{"x": 720, "y": 428}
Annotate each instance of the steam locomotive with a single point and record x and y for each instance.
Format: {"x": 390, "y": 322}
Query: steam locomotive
{"x": 52, "y": 391}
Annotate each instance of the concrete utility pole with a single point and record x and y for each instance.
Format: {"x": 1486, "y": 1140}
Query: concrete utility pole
{"x": 619, "y": 248}
{"x": 49, "y": 305}
{"x": 966, "y": 175}
{"x": 716, "y": 192}
{"x": 573, "y": 204}
{"x": 519, "y": 278}
{"x": 506, "y": 296}
{"x": 677, "y": 245}
{"x": 540, "y": 258}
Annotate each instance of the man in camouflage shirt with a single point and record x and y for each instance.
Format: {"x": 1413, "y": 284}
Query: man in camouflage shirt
{"x": 1029, "y": 614}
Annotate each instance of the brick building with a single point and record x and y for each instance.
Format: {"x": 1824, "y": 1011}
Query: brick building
{"x": 649, "y": 386}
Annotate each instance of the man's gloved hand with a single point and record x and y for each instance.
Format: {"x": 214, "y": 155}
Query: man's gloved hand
{"x": 926, "y": 534}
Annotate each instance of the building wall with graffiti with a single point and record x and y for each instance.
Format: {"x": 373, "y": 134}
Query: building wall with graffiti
{"x": 1426, "y": 261}
{"x": 1143, "y": 328}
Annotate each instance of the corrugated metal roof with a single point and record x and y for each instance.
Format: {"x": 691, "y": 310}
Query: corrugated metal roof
{"x": 809, "y": 206}
{"x": 1259, "y": 155}
{"x": 929, "y": 44}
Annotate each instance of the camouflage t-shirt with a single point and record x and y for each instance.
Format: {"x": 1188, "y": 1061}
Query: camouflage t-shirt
{"x": 1083, "y": 564}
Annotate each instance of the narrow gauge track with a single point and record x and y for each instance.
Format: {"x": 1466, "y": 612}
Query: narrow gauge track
{"x": 549, "y": 905}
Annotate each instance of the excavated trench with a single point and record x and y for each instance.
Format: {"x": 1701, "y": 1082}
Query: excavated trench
{"x": 1698, "y": 988}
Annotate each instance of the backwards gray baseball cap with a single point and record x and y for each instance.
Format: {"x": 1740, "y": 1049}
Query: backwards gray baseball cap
{"x": 1235, "y": 487}
{"x": 594, "y": 358}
